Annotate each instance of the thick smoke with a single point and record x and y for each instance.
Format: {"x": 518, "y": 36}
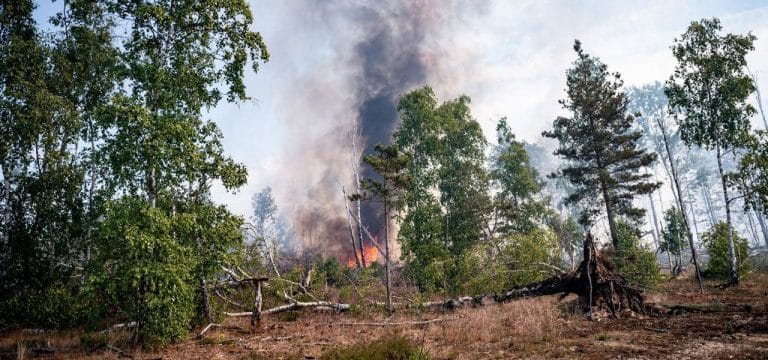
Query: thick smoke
{"x": 385, "y": 51}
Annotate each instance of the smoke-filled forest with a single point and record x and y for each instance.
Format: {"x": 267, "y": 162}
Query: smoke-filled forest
{"x": 383, "y": 179}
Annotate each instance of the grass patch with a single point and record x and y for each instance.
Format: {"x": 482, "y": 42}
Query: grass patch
{"x": 602, "y": 337}
{"x": 394, "y": 347}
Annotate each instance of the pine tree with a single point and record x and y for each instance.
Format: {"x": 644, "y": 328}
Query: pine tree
{"x": 599, "y": 144}
{"x": 391, "y": 165}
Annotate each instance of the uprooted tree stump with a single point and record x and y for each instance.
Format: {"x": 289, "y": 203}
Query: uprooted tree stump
{"x": 596, "y": 281}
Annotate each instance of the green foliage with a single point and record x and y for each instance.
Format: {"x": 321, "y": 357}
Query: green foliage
{"x": 516, "y": 203}
{"x": 570, "y": 236}
{"x": 446, "y": 202}
{"x": 716, "y": 242}
{"x": 143, "y": 273}
{"x": 603, "y": 159}
{"x": 674, "y": 237}
{"x": 393, "y": 347}
{"x": 709, "y": 90}
{"x": 752, "y": 175}
{"x": 518, "y": 259}
{"x": 635, "y": 262}
{"x": 710, "y": 87}
{"x": 52, "y": 308}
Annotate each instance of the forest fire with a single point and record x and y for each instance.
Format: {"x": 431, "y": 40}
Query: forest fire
{"x": 371, "y": 255}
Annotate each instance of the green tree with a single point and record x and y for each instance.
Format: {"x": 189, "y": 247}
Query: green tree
{"x": 390, "y": 165}
{"x": 752, "y": 175}
{"x": 570, "y": 236}
{"x": 517, "y": 206}
{"x": 717, "y": 242}
{"x": 634, "y": 261}
{"x": 708, "y": 92}
{"x": 673, "y": 237}
{"x": 447, "y": 201}
{"x": 178, "y": 59}
{"x": 599, "y": 145}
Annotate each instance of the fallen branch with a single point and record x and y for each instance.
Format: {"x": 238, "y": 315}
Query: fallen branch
{"x": 205, "y": 329}
{"x": 663, "y": 331}
{"x": 119, "y": 326}
{"x": 296, "y": 305}
{"x": 394, "y": 323}
{"x": 119, "y": 351}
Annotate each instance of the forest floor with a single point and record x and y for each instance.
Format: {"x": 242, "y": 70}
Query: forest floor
{"x": 727, "y": 323}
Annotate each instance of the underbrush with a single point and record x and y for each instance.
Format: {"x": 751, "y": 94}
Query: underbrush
{"x": 392, "y": 347}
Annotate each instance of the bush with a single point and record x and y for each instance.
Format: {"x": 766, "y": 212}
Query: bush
{"x": 53, "y": 308}
{"x": 143, "y": 273}
{"x": 716, "y": 242}
{"x": 522, "y": 258}
{"x": 635, "y": 262}
{"x": 393, "y": 347}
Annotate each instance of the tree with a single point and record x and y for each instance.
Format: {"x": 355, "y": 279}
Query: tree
{"x": 717, "y": 242}
{"x": 604, "y": 159}
{"x": 752, "y": 175}
{"x": 516, "y": 201}
{"x": 673, "y": 237}
{"x": 178, "y": 59}
{"x": 652, "y": 104}
{"x": 708, "y": 92}
{"x": 570, "y": 236}
{"x": 264, "y": 211}
{"x": 447, "y": 202}
{"x": 390, "y": 164}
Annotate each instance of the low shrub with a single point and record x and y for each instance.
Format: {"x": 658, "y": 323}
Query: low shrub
{"x": 716, "y": 242}
{"x": 635, "y": 262}
{"x": 394, "y": 347}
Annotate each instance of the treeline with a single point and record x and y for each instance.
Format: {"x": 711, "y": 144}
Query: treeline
{"x": 468, "y": 222}
{"x": 106, "y": 160}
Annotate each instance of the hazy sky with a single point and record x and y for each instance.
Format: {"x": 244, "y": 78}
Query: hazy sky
{"x": 508, "y": 56}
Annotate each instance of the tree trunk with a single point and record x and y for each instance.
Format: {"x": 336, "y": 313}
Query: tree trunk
{"x": 734, "y": 275}
{"x": 681, "y": 206}
{"x": 387, "y": 259}
{"x": 358, "y": 188}
{"x": 655, "y": 228}
{"x": 351, "y": 232}
{"x": 710, "y": 208}
{"x": 763, "y": 226}
{"x": 609, "y": 212}
{"x": 205, "y": 301}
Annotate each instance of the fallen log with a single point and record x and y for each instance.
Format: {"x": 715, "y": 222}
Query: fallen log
{"x": 294, "y": 306}
{"x": 423, "y": 322}
{"x": 596, "y": 282}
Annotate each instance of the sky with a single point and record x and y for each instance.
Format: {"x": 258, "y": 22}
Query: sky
{"x": 509, "y": 57}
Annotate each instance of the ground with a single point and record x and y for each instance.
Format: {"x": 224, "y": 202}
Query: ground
{"x": 728, "y": 323}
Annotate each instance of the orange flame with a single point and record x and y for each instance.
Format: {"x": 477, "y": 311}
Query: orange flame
{"x": 371, "y": 256}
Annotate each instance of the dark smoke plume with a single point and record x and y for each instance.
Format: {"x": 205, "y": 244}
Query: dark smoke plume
{"x": 390, "y": 50}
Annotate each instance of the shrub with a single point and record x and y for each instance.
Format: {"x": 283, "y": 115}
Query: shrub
{"x": 520, "y": 259}
{"x": 635, "y": 262}
{"x": 716, "y": 242}
{"x": 53, "y": 308}
{"x": 393, "y": 347}
{"x": 142, "y": 273}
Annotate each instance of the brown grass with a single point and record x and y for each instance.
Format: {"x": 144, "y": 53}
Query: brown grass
{"x": 526, "y": 328}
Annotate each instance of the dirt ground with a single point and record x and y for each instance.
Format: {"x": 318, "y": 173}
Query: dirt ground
{"x": 719, "y": 324}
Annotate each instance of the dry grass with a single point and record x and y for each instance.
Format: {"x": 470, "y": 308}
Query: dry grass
{"x": 527, "y": 328}
{"x": 528, "y": 320}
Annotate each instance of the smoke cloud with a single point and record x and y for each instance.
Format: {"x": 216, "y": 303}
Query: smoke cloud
{"x": 384, "y": 50}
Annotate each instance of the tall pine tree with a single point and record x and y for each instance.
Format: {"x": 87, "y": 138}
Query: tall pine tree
{"x": 598, "y": 143}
